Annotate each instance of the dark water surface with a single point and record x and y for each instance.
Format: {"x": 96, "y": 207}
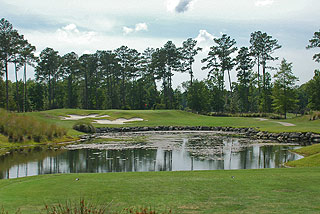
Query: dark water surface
{"x": 189, "y": 152}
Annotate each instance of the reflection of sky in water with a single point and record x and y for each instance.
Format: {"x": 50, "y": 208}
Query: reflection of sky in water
{"x": 232, "y": 155}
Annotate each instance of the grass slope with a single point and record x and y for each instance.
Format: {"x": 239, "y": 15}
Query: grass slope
{"x": 250, "y": 191}
{"x": 179, "y": 118}
{"x": 311, "y": 159}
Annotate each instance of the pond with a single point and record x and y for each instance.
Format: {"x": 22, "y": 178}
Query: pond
{"x": 149, "y": 152}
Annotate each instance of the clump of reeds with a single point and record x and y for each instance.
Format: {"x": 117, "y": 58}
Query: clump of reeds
{"x": 315, "y": 116}
{"x": 20, "y": 128}
{"x": 82, "y": 207}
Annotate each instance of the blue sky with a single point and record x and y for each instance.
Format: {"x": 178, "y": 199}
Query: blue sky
{"x": 87, "y": 26}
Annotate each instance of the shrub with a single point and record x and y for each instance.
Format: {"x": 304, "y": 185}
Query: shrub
{"x": 85, "y": 127}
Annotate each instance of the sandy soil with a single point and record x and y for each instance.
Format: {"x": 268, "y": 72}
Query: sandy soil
{"x": 118, "y": 121}
{"x": 282, "y": 123}
{"x": 262, "y": 119}
{"x": 79, "y": 117}
{"x": 286, "y": 124}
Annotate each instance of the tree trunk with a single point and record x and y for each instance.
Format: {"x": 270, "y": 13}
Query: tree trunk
{"x": 230, "y": 81}
{"x": 17, "y": 87}
{"x": 259, "y": 74}
{"x": 191, "y": 74}
{"x": 86, "y": 90}
{"x": 7, "y": 84}
{"x": 49, "y": 91}
{"x": 25, "y": 87}
{"x": 70, "y": 103}
{"x": 264, "y": 85}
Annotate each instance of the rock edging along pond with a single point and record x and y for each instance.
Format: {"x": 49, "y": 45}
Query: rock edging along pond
{"x": 303, "y": 138}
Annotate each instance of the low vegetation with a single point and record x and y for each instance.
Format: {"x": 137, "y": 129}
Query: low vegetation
{"x": 315, "y": 116}
{"x": 21, "y": 128}
{"x": 294, "y": 190}
{"x": 85, "y": 127}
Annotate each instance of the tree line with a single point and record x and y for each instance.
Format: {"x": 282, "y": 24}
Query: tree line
{"x": 127, "y": 79}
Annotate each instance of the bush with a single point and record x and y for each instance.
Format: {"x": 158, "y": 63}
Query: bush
{"x": 85, "y": 127}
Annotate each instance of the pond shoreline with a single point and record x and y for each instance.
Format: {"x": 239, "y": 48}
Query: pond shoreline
{"x": 302, "y": 138}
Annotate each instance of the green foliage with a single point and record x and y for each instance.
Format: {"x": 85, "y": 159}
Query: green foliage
{"x": 85, "y": 127}
{"x": 198, "y": 97}
{"x": 20, "y": 128}
{"x": 315, "y": 43}
{"x": 313, "y": 90}
{"x": 283, "y": 94}
{"x": 219, "y": 60}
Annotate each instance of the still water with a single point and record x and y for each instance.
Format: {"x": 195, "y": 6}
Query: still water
{"x": 183, "y": 152}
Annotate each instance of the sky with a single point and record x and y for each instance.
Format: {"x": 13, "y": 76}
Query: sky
{"x": 86, "y": 26}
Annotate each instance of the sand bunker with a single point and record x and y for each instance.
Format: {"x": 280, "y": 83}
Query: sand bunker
{"x": 286, "y": 124}
{"x": 119, "y": 121}
{"x": 262, "y": 119}
{"x": 79, "y": 117}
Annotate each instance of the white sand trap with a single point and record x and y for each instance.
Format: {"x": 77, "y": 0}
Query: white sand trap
{"x": 119, "y": 121}
{"x": 262, "y": 119}
{"x": 79, "y": 117}
{"x": 286, "y": 124}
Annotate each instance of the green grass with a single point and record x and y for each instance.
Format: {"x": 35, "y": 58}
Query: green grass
{"x": 178, "y": 118}
{"x": 311, "y": 159}
{"x": 250, "y": 191}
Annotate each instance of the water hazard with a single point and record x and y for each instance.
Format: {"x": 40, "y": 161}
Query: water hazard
{"x": 151, "y": 152}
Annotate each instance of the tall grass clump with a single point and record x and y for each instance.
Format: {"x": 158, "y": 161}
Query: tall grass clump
{"x": 20, "y": 128}
{"x": 315, "y": 116}
{"x": 83, "y": 207}
{"x": 77, "y": 208}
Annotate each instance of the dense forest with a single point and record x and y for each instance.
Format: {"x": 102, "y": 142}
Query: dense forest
{"x": 126, "y": 79}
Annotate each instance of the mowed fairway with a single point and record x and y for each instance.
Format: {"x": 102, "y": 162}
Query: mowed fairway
{"x": 250, "y": 191}
{"x": 179, "y": 118}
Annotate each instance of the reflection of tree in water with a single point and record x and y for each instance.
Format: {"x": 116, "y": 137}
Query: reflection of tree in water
{"x": 195, "y": 152}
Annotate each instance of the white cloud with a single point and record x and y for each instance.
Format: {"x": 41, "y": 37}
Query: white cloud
{"x": 204, "y": 36}
{"x": 263, "y": 3}
{"x": 138, "y": 27}
{"x": 205, "y": 40}
{"x": 71, "y": 34}
{"x": 141, "y": 27}
{"x": 127, "y": 30}
{"x": 179, "y": 6}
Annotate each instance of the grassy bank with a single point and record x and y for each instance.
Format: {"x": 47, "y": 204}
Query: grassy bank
{"x": 250, "y": 191}
{"x": 179, "y": 118}
{"x": 19, "y": 130}
{"x": 311, "y": 157}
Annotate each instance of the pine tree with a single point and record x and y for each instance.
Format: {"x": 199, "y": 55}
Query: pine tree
{"x": 283, "y": 94}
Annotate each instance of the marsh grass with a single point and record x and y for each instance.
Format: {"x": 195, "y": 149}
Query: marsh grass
{"x": 21, "y": 128}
